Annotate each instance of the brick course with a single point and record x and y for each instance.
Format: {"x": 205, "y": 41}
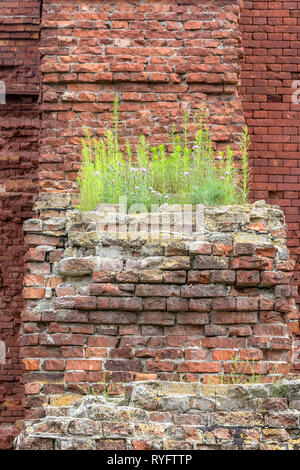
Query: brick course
{"x": 270, "y": 32}
{"x": 170, "y": 416}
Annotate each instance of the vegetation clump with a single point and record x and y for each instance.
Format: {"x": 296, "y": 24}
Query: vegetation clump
{"x": 178, "y": 173}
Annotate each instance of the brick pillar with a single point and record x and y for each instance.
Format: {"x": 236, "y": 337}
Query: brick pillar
{"x": 19, "y": 136}
{"x": 270, "y": 38}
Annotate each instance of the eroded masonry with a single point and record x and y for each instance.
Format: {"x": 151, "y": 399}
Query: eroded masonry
{"x": 136, "y": 310}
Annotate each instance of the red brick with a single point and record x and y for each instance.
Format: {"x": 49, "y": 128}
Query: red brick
{"x": 228, "y": 318}
{"x": 223, "y": 354}
{"x": 131, "y": 304}
{"x": 177, "y": 305}
{"x": 274, "y": 278}
{"x": 247, "y": 278}
{"x": 95, "y": 352}
{"x": 200, "y": 305}
{"x": 224, "y": 277}
{"x": 246, "y": 303}
{"x": 199, "y": 277}
{"x": 195, "y": 354}
{"x": 250, "y": 354}
{"x": 31, "y": 364}
{"x": 34, "y": 292}
{"x": 53, "y": 364}
{"x": 156, "y": 318}
{"x": 123, "y": 365}
{"x": 226, "y": 303}
{"x": 222, "y": 250}
{"x": 240, "y": 331}
{"x": 160, "y": 366}
{"x": 223, "y": 342}
{"x": 144, "y": 290}
{"x": 154, "y": 303}
{"x": 175, "y": 277}
{"x": 192, "y": 318}
{"x": 85, "y": 303}
{"x": 86, "y": 365}
{"x": 199, "y": 367}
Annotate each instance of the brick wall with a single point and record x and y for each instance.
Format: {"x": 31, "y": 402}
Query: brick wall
{"x": 154, "y": 55}
{"x": 19, "y": 135}
{"x": 171, "y": 416}
{"x": 271, "y": 44}
{"x": 104, "y": 307}
{"x": 160, "y": 57}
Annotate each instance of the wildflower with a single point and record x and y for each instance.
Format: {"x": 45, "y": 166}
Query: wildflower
{"x": 195, "y": 146}
{"x": 227, "y": 172}
{"x": 150, "y": 188}
{"x": 119, "y": 163}
{"x": 133, "y": 169}
{"x": 137, "y": 187}
{"x": 166, "y": 196}
{"x": 144, "y": 170}
{"x": 219, "y": 157}
{"x": 112, "y": 181}
{"x": 97, "y": 173}
{"x": 186, "y": 173}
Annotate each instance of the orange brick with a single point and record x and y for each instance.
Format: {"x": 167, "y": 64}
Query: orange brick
{"x": 34, "y": 292}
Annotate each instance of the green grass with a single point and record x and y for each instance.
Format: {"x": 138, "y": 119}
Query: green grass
{"x": 243, "y": 372}
{"x": 176, "y": 173}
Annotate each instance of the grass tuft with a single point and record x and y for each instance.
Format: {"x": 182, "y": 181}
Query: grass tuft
{"x": 178, "y": 173}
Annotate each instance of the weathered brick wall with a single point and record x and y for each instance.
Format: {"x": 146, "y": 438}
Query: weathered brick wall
{"x": 19, "y": 135}
{"x": 19, "y": 117}
{"x": 100, "y": 308}
{"x": 19, "y": 28}
{"x": 270, "y": 32}
{"x": 170, "y": 416}
{"x": 160, "y": 57}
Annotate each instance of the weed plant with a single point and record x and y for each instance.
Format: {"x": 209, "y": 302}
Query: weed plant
{"x": 178, "y": 173}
